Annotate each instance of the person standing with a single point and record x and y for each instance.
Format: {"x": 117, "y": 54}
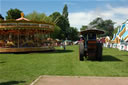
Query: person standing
{"x": 64, "y": 45}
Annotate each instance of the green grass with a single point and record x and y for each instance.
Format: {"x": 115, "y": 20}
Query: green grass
{"x": 22, "y": 69}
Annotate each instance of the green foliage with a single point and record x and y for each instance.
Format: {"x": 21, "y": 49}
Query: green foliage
{"x": 35, "y": 16}
{"x": 97, "y": 21}
{"x": 109, "y": 27}
{"x": 73, "y": 34}
{"x": 116, "y": 29}
{"x": 1, "y": 17}
{"x": 65, "y": 11}
{"x": 63, "y": 23}
{"x": 83, "y": 27}
{"x": 106, "y": 25}
{"x": 56, "y": 32}
{"x": 13, "y": 14}
{"x": 55, "y": 16}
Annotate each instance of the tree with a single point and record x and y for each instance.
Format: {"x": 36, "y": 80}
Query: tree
{"x": 56, "y": 33}
{"x": 106, "y": 25}
{"x": 109, "y": 27}
{"x": 84, "y": 27}
{"x": 73, "y": 34}
{"x": 1, "y": 17}
{"x": 13, "y": 14}
{"x": 65, "y": 15}
{"x": 98, "y": 23}
{"x": 35, "y": 16}
{"x": 63, "y": 23}
{"x": 116, "y": 29}
{"x": 55, "y": 17}
{"x": 65, "y": 11}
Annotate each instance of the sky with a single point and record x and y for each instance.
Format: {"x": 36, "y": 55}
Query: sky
{"x": 81, "y": 12}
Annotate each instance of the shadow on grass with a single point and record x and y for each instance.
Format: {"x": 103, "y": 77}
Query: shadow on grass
{"x": 110, "y": 58}
{"x": 123, "y": 55}
{"x": 2, "y": 62}
{"x": 62, "y": 51}
{"x": 11, "y": 82}
{"x": 52, "y": 51}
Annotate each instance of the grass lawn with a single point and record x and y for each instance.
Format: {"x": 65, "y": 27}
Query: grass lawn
{"x": 22, "y": 69}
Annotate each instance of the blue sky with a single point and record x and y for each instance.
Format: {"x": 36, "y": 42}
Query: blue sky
{"x": 81, "y": 12}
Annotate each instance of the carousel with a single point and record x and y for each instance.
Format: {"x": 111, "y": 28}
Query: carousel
{"x": 23, "y": 35}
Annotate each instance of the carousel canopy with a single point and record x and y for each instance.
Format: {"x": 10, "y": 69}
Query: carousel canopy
{"x": 23, "y": 23}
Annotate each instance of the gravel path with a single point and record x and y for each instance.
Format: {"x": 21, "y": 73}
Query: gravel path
{"x": 80, "y": 80}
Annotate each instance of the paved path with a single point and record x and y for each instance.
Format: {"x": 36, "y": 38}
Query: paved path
{"x": 75, "y": 80}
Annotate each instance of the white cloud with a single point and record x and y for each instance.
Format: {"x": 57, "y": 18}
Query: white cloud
{"x": 81, "y": 18}
{"x": 119, "y": 10}
{"x": 118, "y": 15}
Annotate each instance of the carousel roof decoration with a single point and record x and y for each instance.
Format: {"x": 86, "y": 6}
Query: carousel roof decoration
{"x": 22, "y": 18}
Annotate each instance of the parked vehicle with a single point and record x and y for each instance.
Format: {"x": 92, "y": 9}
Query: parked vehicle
{"x": 89, "y": 47}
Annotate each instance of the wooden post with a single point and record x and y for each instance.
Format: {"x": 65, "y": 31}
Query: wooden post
{"x": 18, "y": 38}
